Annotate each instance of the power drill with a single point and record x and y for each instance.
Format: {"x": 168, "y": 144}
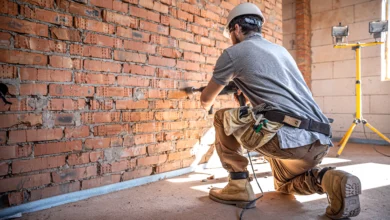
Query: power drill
{"x": 230, "y": 88}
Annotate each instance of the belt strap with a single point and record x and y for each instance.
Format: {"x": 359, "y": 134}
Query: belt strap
{"x": 239, "y": 175}
{"x": 298, "y": 122}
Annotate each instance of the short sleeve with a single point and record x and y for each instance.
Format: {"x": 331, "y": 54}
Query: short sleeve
{"x": 224, "y": 70}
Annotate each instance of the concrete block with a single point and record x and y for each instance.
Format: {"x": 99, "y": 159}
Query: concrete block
{"x": 333, "y": 87}
{"x": 331, "y": 18}
{"x": 358, "y": 32}
{"x": 368, "y": 11}
{"x": 342, "y": 122}
{"x": 289, "y": 26}
{"x": 380, "y": 104}
{"x": 344, "y": 104}
{"x": 320, "y": 101}
{"x": 344, "y": 3}
{"x": 328, "y": 53}
{"x": 289, "y": 41}
{"x": 321, "y": 37}
{"x": 347, "y": 68}
{"x": 322, "y": 70}
{"x": 374, "y": 86}
{"x": 374, "y": 51}
{"x": 288, "y": 11}
{"x": 320, "y": 6}
{"x": 380, "y": 122}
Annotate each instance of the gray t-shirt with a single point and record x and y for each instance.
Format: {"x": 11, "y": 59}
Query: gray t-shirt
{"x": 266, "y": 73}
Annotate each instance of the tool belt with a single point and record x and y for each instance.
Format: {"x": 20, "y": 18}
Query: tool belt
{"x": 298, "y": 122}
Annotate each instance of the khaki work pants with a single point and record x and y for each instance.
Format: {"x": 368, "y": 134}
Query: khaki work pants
{"x": 289, "y": 166}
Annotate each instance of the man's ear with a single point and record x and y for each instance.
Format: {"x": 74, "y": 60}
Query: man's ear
{"x": 237, "y": 28}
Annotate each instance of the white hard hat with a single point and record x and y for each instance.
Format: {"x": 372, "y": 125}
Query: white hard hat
{"x": 242, "y": 9}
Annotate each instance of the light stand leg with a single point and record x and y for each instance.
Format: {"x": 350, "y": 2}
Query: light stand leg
{"x": 346, "y": 137}
{"x": 376, "y": 131}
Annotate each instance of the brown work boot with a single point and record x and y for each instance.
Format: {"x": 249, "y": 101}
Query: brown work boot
{"x": 343, "y": 191}
{"x": 237, "y": 192}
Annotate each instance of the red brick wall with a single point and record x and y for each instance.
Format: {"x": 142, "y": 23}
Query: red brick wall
{"x": 95, "y": 86}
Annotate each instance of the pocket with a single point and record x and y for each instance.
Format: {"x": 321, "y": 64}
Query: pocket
{"x": 252, "y": 140}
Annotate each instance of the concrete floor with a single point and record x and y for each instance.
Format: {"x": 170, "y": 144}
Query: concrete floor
{"x": 186, "y": 197}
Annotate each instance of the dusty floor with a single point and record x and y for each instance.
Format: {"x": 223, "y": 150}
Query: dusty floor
{"x": 186, "y": 197}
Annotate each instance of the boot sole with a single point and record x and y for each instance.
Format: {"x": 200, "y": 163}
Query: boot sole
{"x": 240, "y": 204}
{"x": 350, "y": 189}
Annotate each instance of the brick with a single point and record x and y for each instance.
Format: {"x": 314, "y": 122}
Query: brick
{"x": 147, "y": 127}
{"x": 3, "y": 137}
{"x": 186, "y": 143}
{"x": 203, "y": 22}
{"x": 185, "y": 16}
{"x": 74, "y": 174}
{"x": 16, "y": 198}
{"x": 222, "y": 45}
{"x": 22, "y": 26}
{"x": 17, "y": 136}
{"x": 161, "y": 40}
{"x": 44, "y": 134}
{"x": 33, "y": 74}
{"x": 179, "y": 155}
{"x": 137, "y": 116}
{"x": 115, "y": 129}
{"x": 111, "y": 4}
{"x": 189, "y": 8}
{"x": 137, "y": 173}
{"x": 9, "y": 120}
{"x": 47, "y": 16}
{"x": 160, "y": 147}
{"x": 10, "y": 152}
{"x": 204, "y": 41}
{"x": 119, "y": 19}
{"x": 178, "y": 125}
{"x": 144, "y": 139}
{"x": 101, "y": 104}
{"x": 65, "y": 34}
{"x": 96, "y": 65}
{"x": 147, "y": 26}
{"x": 62, "y": 62}
{"x": 19, "y": 104}
{"x": 159, "y": 61}
{"x": 97, "y": 143}
{"x": 77, "y": 132}
{"x": 210, "y": 51}
{"x": 170, "y": 136}
{"x": 189, "y": 46}
{"x": 167, "y": 73}
{"x": 129, "y": 33}
{"x": 24, "y": 182}
{"x": 57, "y": 147}
{"x": 187, "y": 65}
{"x": 20, "y": 57}
{"x": 133, "y": 151}
{"x": 156, "y": 6}
{"x": 193, "y": 114}
{"x": 167, "y": 116}
{"x": 130, "y": 104}
{"x": 164, "y": 104}
{"x": 164, "y": 84}
{"x": 93, "y": 25}
{"x": 139, "y": 70}
{"x": 76, "y": 159}
{"x": 182, "y": 35}
{"x": 168, "y": 167}
{"x": 70, "y": 90}
{"x": 156, "y": 94}
{"x": 194, "y": 76}
{"x": 102, "y": 40}
{"x": 22, "y": 166}
{"x": 7, "y": 7}
{"x": 145, "y": 161}
{"x": 4, "y": 168}
{"x": 8, "y": 72}
{"x": 90, "y": 78}
{"x": 133, "y": 81}
{"x": 143, "y": 13}
{"x": 54, "y": 190}
{"x": 129, "y": 56}
{"x": 198, "y": 30}
{"x": 64, "y": 119}
{"x": 139, "y": 46}
{"x": 90, "y": 51}
{"x": 33, "y": 89}
{"x": 100, "y": 181}
{"x": 210, "y": 15}
{"x": 5, "y": 39}
{"x": 173, "y": 22}
{"x": 96, "y": 156}
{"x": 113, "y": 91}
{"x": 116, "y": 166}
{"x": 168, "y": 52}
{"x": 66, "y": 104}
{"x": 80, "y": 9}
{"x": 100, "y": 117}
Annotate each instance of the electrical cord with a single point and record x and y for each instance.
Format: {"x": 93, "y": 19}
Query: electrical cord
{"x": 365, "y": 135}
{"x": 258, "y": 184}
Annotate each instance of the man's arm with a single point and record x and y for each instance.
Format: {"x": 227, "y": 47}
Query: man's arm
{"x": 209, "y": 94}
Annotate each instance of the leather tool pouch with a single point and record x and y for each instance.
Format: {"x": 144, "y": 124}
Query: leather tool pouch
{"x": 252, "y": 140}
